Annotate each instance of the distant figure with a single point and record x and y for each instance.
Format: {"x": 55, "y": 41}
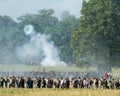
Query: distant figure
{"x": 106, "y": 75}
{"x": 110, "y": 76}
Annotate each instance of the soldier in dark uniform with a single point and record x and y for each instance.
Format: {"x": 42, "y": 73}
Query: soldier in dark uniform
{"x": 96, "y": 83}
{"x": 49, "y": 83}
{"x": 91, "y": 82}
{"x": 39, "y": 82}
{"x": 105, "y": 84}
{"x": 30, "y": 83}
{"x": 18, "y": 81}
{"x": 13, "y": 81}
{"x": 43, "y": 82}
{"x": 6, "y": 82}
{"x": 117, "y": 84}
{"x": 1, "y": 82}
{"x": 75, "y": 84}
{"x": 67, "y": 84}
{"x": 22, "y": 82}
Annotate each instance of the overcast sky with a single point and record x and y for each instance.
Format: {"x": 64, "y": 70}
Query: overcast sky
{"x": 16, "y": 8}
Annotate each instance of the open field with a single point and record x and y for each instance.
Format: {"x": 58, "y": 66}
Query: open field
{"x": 58, "y": 92}
{"x": 55, "y": 92}
{"x": 23, "y": 67}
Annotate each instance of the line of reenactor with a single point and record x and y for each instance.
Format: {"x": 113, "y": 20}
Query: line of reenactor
{"x": 38, "y": 82}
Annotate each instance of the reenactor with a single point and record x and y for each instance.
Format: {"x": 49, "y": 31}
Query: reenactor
{"x": 13, "y": 81}
{"x": 105, "y": 83}
{"x": 100, "y": 83}
{"x": 113, "y": 83}
{"x": 57, "y": 83}
{"x": 67, "y": 84}
{"x": 43, "y": 83}
{"x": 10, "y": 82}
{"x": 30, "y": 83}
{"x": 1, "y": 82}
{"x": 96, "y": 83}
{"x": 85, "y": 83}
{"x": 6, "y": 82}
{"x": 39, "y": 82}
{"x": 117, "y": 84}
{"x": 49, "y": 83}
{"x": 22, "y": 82}
{"x": 75, "y": 83}
{"x": 35, "y": 82}
{"x": 91, "y": 83}
{"x": 109, "y": 84}
{"x": 61, "y": 83}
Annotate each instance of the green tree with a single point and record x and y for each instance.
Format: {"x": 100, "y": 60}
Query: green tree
{"x": 59, "y": 30}
{"x": 97, "y": 35}
{"x": 42, "y": 20}
{"x": 67, "y": 24}
{"x": 8, "y": 29}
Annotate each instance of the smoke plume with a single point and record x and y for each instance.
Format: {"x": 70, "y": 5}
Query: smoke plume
{"x": 39, "y": 49}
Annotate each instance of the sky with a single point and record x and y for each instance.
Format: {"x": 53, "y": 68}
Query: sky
{"x": 16, "y": 8}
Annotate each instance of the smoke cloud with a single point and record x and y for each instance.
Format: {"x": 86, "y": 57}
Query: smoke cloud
{"x": 39, "y": 49}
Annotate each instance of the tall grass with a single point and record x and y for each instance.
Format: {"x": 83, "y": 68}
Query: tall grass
{"x": 58, "y": 92}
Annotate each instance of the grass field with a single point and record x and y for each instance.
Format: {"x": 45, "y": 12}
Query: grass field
{"x": 55, "y": 92}
{"x": 22, "y": 67}
{"x": 58, "y": 92}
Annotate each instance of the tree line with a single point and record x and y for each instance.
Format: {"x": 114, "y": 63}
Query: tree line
{"x": 91, "y": 40}
{"x": 96, "y": 40}
{"x": 44, "y": 22}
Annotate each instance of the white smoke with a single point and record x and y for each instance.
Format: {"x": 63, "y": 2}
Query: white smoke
{"x": 39, "y": 48}
{"x": 29, "y": 30}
